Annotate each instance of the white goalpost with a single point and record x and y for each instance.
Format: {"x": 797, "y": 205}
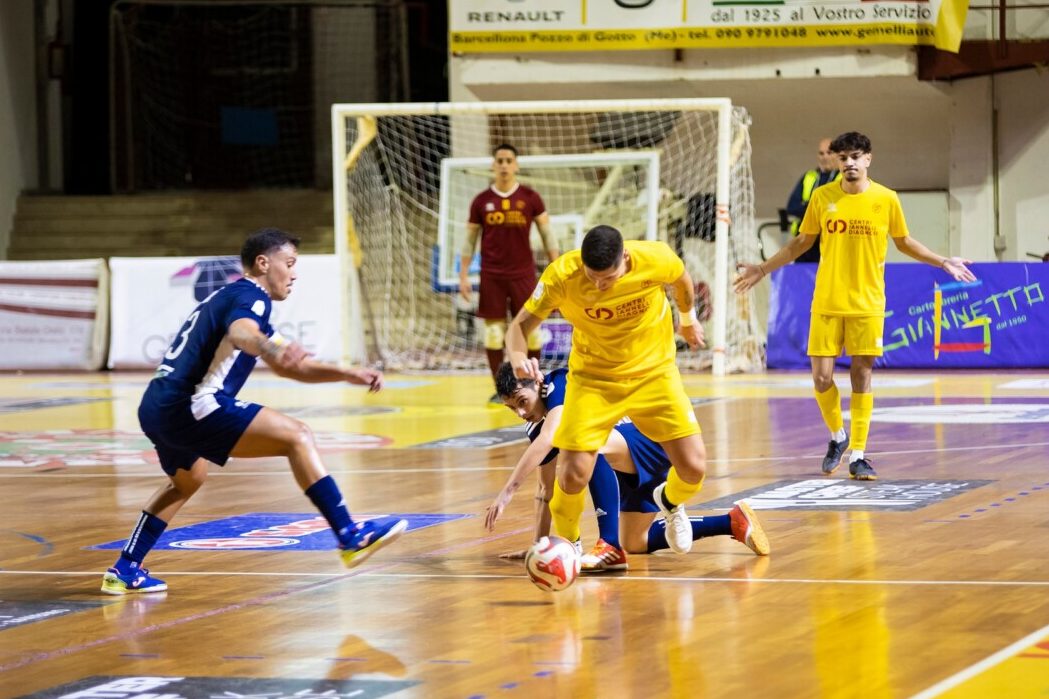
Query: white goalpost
{"x": 404, "y": 175}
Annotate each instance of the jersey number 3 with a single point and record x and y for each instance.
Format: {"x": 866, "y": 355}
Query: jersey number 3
{"x": 183, "y": 337}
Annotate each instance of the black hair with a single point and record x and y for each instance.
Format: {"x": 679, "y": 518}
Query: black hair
{"x": 849, "y": 142}
{"x": 504, "y": 146}
{"x": 602, "y": 248}
{"x": 506, "y": 383}
{"x": 263, "y": 242}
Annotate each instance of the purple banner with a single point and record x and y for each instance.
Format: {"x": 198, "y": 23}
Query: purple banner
{"x": 1001, "y": 320}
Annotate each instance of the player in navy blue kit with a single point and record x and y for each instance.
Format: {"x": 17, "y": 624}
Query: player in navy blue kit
{"x": 629, "y": 468}
{"x": 191, "y": 414}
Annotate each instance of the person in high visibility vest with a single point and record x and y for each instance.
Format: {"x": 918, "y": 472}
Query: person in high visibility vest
{"x": 826, "y": 170}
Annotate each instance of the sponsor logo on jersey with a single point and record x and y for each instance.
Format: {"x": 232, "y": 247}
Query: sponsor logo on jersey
{"x": 599, "y": 313}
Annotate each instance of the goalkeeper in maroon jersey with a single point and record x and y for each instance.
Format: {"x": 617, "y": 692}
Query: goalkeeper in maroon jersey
{"x": 502, "y": 217}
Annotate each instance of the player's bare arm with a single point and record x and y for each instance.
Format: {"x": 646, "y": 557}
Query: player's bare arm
{"x": 685, "y": 295}
{"x": 954, "y": 266}
{"x": 473, "y": 232}
{"x": 280, "y": 354}
{"x": 546, "y": 232}
{"x": 529, "y": 462}
{"x": 312, "y": 371}
{"x": 290, "y": 360}
{"x": 749, "y": 274}
{"x": 517, "y": 345}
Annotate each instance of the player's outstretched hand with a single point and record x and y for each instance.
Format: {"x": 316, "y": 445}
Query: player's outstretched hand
{"x": 363, "y": 376}
{"x": 494, "y": 511}
{"x": 747, "y": 276}
{"x": 528, "y": 368}
{"x": 955, "y": 266}
{"x": 693, "y": 335}
{"x": 513, "y": 555}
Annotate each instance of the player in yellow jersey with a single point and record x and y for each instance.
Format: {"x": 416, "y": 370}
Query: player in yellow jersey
{"x": 622, "y": 362}
{"x": 852, "y": 219}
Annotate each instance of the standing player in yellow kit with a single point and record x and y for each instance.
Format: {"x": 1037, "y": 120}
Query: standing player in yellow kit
{"x": 852, "y": 219}
{"x": 622, "y": 363}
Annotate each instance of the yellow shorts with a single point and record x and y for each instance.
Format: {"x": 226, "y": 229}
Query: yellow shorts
{"x": 859, "y": 335}
{"x": 657, "y": 404}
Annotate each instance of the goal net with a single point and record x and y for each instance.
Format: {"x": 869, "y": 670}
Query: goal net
{"x": 404, "y": 176}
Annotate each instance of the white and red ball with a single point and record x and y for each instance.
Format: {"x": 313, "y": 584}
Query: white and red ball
{"x": 552, "y": 563}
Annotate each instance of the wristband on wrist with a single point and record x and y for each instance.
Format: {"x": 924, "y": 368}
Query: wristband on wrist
{"x": 688, "y": 319}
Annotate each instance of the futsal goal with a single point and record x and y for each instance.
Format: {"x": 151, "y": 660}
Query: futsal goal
{"x": 404, "y": 175}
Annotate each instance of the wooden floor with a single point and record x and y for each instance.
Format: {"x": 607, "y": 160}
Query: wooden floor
{"x": 933, "y": 581}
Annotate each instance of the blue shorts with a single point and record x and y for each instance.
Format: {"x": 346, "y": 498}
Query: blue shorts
{"x": 180, "y": 438}
{"x": 652, "y": 464}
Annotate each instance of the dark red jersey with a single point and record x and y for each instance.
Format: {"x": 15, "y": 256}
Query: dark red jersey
{"x": 506, "y": 221}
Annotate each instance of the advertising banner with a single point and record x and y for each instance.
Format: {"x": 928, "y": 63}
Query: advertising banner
{"x": 512, "y": 26}
{"x": 931, "y": 321}
{"x": 53, "y": 315}
{"x": 153, "y": 295}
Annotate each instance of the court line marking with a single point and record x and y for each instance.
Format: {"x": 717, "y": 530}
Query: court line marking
{"x": 70, "y": 471}
{"x": 979, "y": 667}
{"x": 635, "y": 578}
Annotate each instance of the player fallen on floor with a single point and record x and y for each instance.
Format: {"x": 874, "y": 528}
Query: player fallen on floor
{"x": 629, "y": 468}
{"x": 191, "y": 414}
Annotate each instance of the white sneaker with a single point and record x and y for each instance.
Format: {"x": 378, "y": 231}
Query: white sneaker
{"x": 679, "y": 528}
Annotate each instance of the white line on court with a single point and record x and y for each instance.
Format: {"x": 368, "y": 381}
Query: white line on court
{"x": 69, "y": 472}
{"x": 985, "y": 664}
{"x": 618, "y": 578}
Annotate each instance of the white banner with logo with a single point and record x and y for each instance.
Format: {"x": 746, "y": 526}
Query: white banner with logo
{"x": 153, "y": 295}
{"x": 53, "y": 314}
{"x": 500, "y": 26}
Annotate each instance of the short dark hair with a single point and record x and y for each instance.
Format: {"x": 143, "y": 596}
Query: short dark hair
{"x": 504, "y": 146}
{"x": 507, "y": 383}
{"x": 848, "y": 142}
{"x": 263, "y": 242}
{"x": 602, "y": 248}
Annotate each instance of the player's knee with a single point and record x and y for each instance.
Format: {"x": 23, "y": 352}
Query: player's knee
{"x": 535, "y": 340}
{"x": 635, "y": 542}
{"x": 822, "y": 382}
{"x": 494, "y": 334}
{"x": 572, "y": 481}
{"x": 299, "y": 434}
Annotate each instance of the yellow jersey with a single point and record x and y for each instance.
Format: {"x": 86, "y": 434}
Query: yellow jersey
{"x": 625, "y": 331}
{"x": 854, "y": 232}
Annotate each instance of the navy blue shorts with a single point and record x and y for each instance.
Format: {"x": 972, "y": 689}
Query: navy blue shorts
{"x": 635, "y": 489}
{"x": 180, "y": 438}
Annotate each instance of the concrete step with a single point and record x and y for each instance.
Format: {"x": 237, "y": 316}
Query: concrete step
{"x": 184, "y": 223}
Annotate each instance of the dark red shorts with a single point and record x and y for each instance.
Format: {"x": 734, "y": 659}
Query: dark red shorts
{"x": 497, "y": 293}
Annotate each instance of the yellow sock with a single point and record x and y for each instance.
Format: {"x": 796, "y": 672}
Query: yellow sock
{"x": 862, "y": 407}
{"x": 677, "y": 490}
{"x": 566, "y": 509}
{"x": 830, "y": 407}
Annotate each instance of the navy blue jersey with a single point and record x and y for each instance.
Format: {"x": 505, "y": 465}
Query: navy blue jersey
{"x": 202, "y": 360}
{"x": 552, "y": 393}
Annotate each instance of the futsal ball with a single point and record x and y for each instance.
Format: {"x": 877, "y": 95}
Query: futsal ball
{"x": 552, "y": 563}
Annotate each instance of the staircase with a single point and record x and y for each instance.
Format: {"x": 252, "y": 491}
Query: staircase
{"x": 192, "y": 224}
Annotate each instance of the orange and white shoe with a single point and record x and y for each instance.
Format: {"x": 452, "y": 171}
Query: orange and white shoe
{"x": 602, "y": 557}
{"x": 746, "y": 528}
